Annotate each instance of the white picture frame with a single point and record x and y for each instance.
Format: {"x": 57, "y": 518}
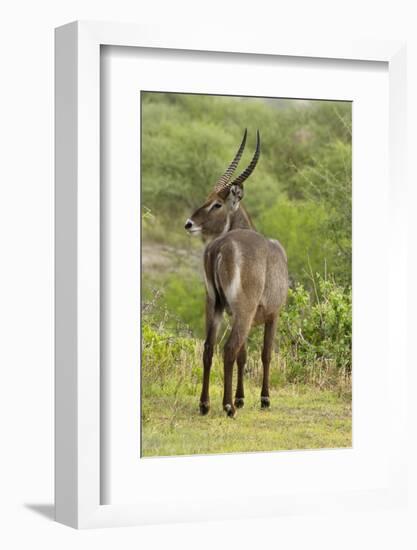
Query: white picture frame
{"x": 78, "y": 500}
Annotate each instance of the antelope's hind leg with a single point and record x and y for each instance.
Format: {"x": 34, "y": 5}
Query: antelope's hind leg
{"x": 241, "y": 362}
{"x": 213, "y": 318}
{"x": 269, "y": 334}
{"x": 236, "y": 340}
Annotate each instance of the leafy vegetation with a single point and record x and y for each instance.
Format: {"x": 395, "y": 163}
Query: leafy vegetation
{"x": 300, "y": 194}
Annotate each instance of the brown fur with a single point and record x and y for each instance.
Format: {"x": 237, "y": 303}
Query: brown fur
{"x": 246, "y": 276}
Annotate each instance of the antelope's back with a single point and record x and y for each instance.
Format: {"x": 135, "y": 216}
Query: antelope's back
{"x": 246, "y": 270}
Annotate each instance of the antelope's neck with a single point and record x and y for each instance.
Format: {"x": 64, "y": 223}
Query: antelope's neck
{"x": 240, "y": 219}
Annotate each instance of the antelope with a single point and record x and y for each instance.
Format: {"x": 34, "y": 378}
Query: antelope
{"x": 245, "y": 275}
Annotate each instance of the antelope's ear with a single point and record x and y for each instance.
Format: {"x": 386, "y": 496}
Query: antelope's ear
{"x": 235, "y": 196}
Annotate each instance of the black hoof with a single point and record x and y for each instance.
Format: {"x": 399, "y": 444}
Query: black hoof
{"x": 230, "y": 411}
{"x": 265, "y": 402}
{"x": 239, "y": 402}
{"x": 204, "y": 408}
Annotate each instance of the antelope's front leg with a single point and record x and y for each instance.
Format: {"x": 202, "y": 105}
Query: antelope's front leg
{"x": 213, "y": 317}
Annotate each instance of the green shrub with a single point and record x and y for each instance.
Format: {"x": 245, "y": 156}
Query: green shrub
{"x": 180, "y": 301}
{"x": 167, "y": 357}
{"x": 299, "y": 226}
{"x": 316, "y": 333}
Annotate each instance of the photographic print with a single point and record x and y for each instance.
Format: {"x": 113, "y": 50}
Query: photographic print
{"x": 246, "y": 256}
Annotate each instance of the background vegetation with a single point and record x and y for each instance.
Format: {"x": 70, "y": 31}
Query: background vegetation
{"x": 300, "y": 194}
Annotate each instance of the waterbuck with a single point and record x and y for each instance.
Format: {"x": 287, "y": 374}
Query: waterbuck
{"x": 246, "y": 276}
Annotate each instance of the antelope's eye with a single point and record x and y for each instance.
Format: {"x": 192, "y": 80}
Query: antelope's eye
{"x": 217, "y": 205}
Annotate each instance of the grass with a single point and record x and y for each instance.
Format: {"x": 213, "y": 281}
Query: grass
{"x": 300, "y": 417}
{"x": 308, "y": 411}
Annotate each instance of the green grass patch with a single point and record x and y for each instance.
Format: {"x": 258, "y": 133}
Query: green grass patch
{"x": 300, "y": 417}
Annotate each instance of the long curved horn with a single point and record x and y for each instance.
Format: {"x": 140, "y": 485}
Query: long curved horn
{"x": 224, "y": 181}
{"x": 248, "y": 171}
